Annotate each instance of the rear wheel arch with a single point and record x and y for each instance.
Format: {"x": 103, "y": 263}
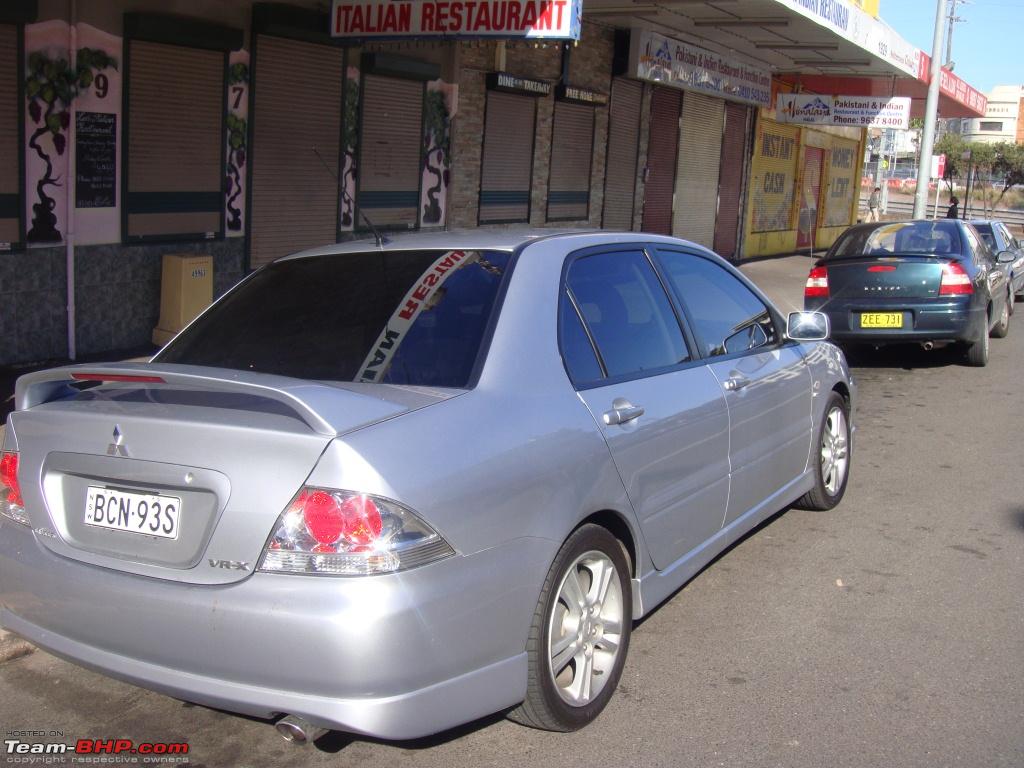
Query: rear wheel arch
{"x": 617, "y": 526}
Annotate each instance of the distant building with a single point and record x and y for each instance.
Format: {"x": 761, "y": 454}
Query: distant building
{"x": 1003, "y": 120}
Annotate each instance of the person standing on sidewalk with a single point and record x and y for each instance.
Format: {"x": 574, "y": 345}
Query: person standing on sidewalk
{"x": 953, "y": 212}
{"x": 874, "y": 200}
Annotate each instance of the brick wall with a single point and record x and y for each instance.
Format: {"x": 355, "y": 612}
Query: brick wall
{"x": 590, "y": 67}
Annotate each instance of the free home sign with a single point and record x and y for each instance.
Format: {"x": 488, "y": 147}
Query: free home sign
{"x": 547, "y": 19}
{"x": 856, "y": 111}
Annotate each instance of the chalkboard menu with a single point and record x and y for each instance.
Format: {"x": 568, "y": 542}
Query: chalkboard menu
{"x": 96, "y": 160}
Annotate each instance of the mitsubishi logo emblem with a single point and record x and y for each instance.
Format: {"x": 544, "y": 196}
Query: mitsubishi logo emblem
{"x": 117, "y": 448}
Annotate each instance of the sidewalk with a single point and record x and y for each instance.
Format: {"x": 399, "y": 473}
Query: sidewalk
{"x": 782, "y": 278}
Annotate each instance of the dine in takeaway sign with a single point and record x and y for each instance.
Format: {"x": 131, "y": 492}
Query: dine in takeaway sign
{"x": 538, "y": 19}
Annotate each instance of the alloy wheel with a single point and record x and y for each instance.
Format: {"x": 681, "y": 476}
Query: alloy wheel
{"x": 834, "y": 451}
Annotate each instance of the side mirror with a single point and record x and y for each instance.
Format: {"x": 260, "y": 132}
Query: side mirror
{"x": 807, "y": 326}
{"x": 1006, "y": 257}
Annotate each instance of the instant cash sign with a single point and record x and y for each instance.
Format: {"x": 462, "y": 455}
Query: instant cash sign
{"x": 554, "y": 19}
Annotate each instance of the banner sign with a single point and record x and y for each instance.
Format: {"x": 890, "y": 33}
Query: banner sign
{"x": 535, "y": 19}
{"x": 581, "y": 95}
{"x": 856, "y": 111}
{"x": 524, "y": 86}
{"x": 666, "y": 61}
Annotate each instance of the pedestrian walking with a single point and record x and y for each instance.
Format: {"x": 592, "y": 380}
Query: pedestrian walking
{"x": 874, "y": 201}
{"x": 953, "y": 212}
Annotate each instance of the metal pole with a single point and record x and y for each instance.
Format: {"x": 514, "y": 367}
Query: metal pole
{"x": 930, "y": 111}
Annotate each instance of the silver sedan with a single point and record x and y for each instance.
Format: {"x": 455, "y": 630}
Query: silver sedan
{"x": 391, "y": 489}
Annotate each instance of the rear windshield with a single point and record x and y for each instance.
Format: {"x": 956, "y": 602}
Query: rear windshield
{"x": 938, "y": 238}
{"x": 405, "y": 317}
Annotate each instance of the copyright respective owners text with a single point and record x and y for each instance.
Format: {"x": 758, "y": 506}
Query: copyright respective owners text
{"x": 55, "y": 747}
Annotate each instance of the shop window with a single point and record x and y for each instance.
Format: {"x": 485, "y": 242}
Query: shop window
{"x": 174, "y": 123}
{"x": 507, "y": 164}
{"x": 991, "y": 125}
{"x": 11, "y": 177}
{"x": 572, "y": 148}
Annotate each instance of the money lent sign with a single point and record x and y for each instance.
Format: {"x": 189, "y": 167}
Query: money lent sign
{"x": 535, "y": 19}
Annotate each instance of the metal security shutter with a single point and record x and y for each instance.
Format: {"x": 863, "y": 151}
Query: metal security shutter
{"x": 572, "y": 149}
{"x": 807, "y": 227}
{"x": 623, "y": 146}
{"x": 730, "y": 179}
{"x": 661, "y": 160}
{"x": 507, "y": 164}
{"x": 842, "y": 168}
{"x": 390, "y": 151}
{"x": 175, "y": 141}
{"x": 700, "y": 150}
{"x": 10, "y": 143}
{"x": 294, "y": 192}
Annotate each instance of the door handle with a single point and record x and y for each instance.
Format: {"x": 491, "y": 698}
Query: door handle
{"x": 622, "y": 412}
{"x": 736, "y": 382}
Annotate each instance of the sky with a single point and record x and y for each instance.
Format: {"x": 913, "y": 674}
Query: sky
{"x": 988, "y": 47}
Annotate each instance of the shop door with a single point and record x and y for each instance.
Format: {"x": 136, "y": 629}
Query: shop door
{"x": 623, "y": 146}
{"x": 700, "y": 149}
{"x": 730, "y": 180}
{"x": 814, "y": 158}
{"x": 661, "y": 160}
{"x": 390, "y": 150}
{"x": 295, "y": 148}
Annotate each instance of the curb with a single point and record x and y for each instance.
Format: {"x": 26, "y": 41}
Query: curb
{"x": 13, "y": 647}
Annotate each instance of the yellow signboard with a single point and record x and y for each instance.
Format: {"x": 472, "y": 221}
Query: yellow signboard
{"x": 870, "y": 6}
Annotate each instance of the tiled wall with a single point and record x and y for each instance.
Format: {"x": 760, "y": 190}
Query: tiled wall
{"x": 117, "y": 296}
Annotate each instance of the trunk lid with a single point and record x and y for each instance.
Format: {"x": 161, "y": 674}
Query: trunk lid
{"x": 873, "y": 278}
{"x": 227, "y": 450}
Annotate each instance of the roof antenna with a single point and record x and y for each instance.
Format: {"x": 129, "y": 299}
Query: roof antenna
{"x": 381, "y": 240}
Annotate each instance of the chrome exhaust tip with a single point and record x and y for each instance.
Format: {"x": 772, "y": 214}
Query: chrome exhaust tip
{"x": 927, "y": 346}
{"x": 298, "y": 730}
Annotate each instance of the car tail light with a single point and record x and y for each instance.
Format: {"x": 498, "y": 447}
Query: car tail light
{"x": 955, "y": 281}
{"x": 11, "y": 503}
{"x": 341, "y": 533}
{"x": 817, "y": 284}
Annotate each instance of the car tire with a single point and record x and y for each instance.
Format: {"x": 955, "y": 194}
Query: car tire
{"x": 1002, "y": 327}
{"x": 1011, "y": 300}
{"x": 580, "y": 633}
{"x": 832, "y": 449}
{"x": 977, "y": 353}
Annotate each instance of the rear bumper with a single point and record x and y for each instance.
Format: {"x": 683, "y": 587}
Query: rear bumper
{"x": 395, "y": 657}
{"x": 954, "y": 320}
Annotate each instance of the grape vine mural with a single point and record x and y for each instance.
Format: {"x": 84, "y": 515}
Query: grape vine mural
{"x": 350, "y": 121}
{"x": 51, "y": 86}
{"x": 237, "y": 127}
{"x": 435, "y": 156}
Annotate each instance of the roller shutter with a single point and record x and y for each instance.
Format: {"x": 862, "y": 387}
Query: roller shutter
{"x": 730, "y": 179}
{"x": 572, "y": 148}
{"x": 175, "y": 141}
{"x": 700, "y": 151}
{"x": 810, "y": 193}
{"x": 294, "y": 192}
{"x": 661, "y": 160}
{"x": 842, "y": 167}
{"x": 507, "y": 164}
{"x": 390, "y": 151}
{"x": 623, "y": 146}
{"x": 10, "y": 144}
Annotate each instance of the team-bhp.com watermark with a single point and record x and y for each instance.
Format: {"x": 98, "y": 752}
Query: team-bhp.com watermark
{"x": 48, "y": 748}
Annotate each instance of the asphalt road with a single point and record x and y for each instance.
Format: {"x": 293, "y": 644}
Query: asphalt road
{"x": 888, "y": 632}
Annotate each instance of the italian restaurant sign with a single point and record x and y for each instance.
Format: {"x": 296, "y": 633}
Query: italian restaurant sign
{"x": 666, "y": 61}
{"x": 856, "y": 111}
{"x": 535, "y": 19}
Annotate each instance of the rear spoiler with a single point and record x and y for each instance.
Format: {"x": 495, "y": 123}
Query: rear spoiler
{"x": 324, "y": 408}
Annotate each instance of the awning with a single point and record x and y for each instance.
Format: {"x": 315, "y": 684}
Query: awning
{"x": 832, "y": 46}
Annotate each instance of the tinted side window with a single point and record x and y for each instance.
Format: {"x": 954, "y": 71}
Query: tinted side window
{"x": 627, "y": 312}
{"x": 396, "y": 317}
{"x": 978, "y": 247}
{"x": 727, "y": 317}
{"x": 577, "y": 352}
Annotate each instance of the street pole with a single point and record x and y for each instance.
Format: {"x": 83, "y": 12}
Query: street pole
{"x": 930, "y": 112}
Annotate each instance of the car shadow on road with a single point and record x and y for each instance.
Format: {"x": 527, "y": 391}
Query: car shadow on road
{"x": 906, "y": 356}
{"x": 1017, "y": 517}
